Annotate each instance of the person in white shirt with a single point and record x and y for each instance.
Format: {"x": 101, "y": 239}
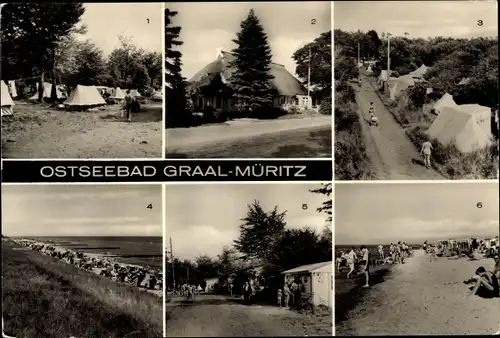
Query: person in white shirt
{"x": 365, "y": 263}
{"x": 351, "y": 260}
{"x": 381, "y": 251}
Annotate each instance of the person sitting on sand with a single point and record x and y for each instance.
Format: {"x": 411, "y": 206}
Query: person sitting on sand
{"x": 486, "y": 284}
{"x": 365, "y": 263}
{"x": 351, "y": 261}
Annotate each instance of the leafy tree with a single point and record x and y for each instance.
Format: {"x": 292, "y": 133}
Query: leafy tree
{"x": 326, "y": 207}
{"x": 251, "y": 80}
{"x": 175, "y": 84}
{"x": 321, "y": 63}
{"x": 30, "y": 36}
{"x": 417, "y": 95}
{"x": 259, "y": 231}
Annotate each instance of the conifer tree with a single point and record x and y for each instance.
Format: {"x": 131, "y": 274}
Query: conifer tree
{"x": 251, "y": 82}
{"x": 175, "y": 83}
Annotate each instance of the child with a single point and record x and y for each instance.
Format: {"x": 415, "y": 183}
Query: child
{"x": 280, "y": 294}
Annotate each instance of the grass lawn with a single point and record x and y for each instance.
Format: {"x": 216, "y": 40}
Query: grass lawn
{"x": 44, "y": 297}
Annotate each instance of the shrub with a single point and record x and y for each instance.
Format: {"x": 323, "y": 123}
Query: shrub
{"x": 325, "y": 107}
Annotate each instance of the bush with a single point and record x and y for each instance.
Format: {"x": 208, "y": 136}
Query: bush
{"x": 325, "y": 108}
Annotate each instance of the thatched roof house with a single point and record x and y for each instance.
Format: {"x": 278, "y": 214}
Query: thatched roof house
{"x": 212, "y": 83}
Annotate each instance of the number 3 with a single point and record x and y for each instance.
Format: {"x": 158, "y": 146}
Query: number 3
{"x": 479, "y": 22}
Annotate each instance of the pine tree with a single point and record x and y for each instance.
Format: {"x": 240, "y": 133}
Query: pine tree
{"x": 251, "y": 82}
{"x": 175, "y": 89}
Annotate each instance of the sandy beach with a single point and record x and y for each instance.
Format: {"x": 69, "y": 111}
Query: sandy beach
{"x": 422, "y": 297}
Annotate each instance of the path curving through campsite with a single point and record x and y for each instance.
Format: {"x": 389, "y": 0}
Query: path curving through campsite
{"x": 218, "y": 316}
{"x": 392, "y": 154}
{"x": 425, "y": 298}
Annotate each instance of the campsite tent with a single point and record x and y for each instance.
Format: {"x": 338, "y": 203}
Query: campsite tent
{"x": 84, "y": 96}
{"x": 419, "y": 72}
{"x": 47, "y": 89}
{"x": 482, "y": 115}
{"x": 157, "y": 96}
{"x": 399, "y": 84}
{"x": 7, "y": 102}
{"x": 118, "y": 94}
{"x": 445, "y": 101}
{"x": 135, "y": 93}
{"x": 459, "y": 127}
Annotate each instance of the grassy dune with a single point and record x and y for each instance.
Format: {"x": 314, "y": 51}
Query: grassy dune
{"x": 43, "y": 297}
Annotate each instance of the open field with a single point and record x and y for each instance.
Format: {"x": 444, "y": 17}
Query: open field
{"x": 131, "y": 250}
{"x": 308, "y": 137}
{"x": 39, "y": 131}
{"x": 44, "y": 297}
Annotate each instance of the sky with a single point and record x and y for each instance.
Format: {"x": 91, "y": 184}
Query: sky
{"x": 384, "y": 213}
{"x": 418, "y": 18}
{"x": 106, "y": 21}
{"x": 201, "y": 219}
{"x": 211, "y": 25}
{"x": 81, "y": 210}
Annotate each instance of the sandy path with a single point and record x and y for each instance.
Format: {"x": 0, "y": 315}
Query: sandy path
{"x": 393, "y": 156}
{"x": 422, "y": 297}
{"x": 212, "y": 316}
{"x": 184, "y": 139}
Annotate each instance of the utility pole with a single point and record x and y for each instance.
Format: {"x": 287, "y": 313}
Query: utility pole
{"x": 172, "y": 259}
{"x": 309, "y": 101}
{"x": 359, "y": 55}
{"x": 388, "y": 58}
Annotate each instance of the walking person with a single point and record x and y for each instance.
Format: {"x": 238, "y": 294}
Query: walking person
{"x": 426, "y": 152}
{"x": 381, "y": 252}
{"x": 129, "y": 101}
{"x": 286, "y": 294}
{"x": 365, "y": 263}
{"x": 351, "y": 261}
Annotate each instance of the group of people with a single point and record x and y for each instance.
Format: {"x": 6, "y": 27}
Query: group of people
{"x": 291, "y": 294}
{"x": 356, "y": 259}
{"x": 130, "y": 104}
{"x": 141, "y": 277}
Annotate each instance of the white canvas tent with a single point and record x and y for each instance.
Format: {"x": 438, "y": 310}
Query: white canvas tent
{"x": 458, "y": 127}
{"x": 47, "y": 89}
{"x": 84, "y": 96}
{"x": 7, "y": 102}
{"x": 135, "y": 93}
{"x": 419, "y": 72}
{"x": 118, "y": 94}
{"x": 481, "y": 114}
{"x": 445, "y": 101}
{"x": 399, "y": 84}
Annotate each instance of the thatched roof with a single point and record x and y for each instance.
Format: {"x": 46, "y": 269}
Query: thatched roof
{"x": 284, "y": 82}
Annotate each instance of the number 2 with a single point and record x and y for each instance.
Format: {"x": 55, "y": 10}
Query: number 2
{"x": 313, "y": 21}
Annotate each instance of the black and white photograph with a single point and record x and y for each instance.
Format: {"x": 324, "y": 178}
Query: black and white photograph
{"x": 252, "y": 260}
{"x": 82, "y": 261}
{"x": 82, "y": 80}
{"x": 418, "y": 259}
{"x": 248, "y": 80}
{"x": 416, "y": 90}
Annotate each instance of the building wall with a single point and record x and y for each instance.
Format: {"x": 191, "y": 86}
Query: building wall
{"x": 322, "y": 285}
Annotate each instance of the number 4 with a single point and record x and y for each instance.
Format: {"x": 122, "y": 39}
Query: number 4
{"x": 150, "y": 206}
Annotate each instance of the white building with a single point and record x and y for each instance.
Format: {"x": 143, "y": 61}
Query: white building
{"x": 317, "y": 279}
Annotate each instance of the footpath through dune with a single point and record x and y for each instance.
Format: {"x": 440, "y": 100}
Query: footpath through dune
{"x": 422, "y": 297}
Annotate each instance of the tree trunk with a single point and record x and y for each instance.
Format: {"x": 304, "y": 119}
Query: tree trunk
{"x": 41, "y": 87}
{"x": 53, "y": 92}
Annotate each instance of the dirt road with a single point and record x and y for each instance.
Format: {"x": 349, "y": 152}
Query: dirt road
{"x": 283, "y": 138}
{"x": 425, "y": 298}
{"x": 37, "y": 131}
{"x": 393, "y": 156}
{"x": 217, "y": 316}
